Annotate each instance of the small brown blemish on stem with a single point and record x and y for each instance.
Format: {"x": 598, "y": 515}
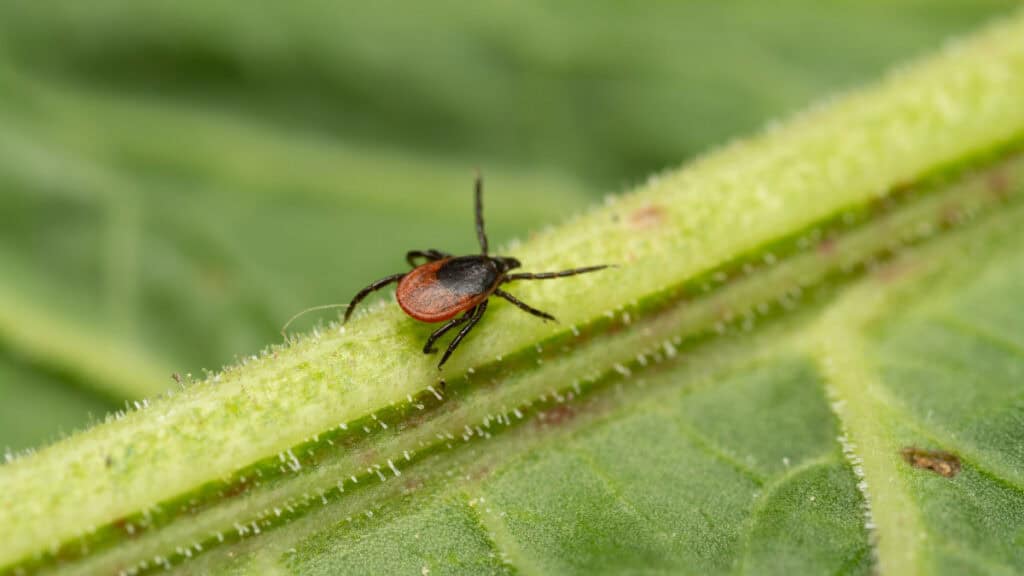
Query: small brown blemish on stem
{"x": 892, "y": 271}
{"x": 556, "y": 416}
{"x": 827, "y": 246}
{"x": 999, "y": 183}
{"x": 235, "y": 489}
{"x": 951, "y": 215}
{"x": 647, "y": 217}
{"x": 943, "y": 463}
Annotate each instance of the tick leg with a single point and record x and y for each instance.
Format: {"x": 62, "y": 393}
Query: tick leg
{"x": 523, "y": 305}
{"x": 481, "y": 234}
{"x": 478, "y": 312}
{"x": 430, "y": 256}
{"x": 547, "y": 275}
{"x": 429, "y": 347}
{"x": 370, "y": 289}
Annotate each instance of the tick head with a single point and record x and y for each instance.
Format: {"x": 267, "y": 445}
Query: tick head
{"x": 505, "y": 264}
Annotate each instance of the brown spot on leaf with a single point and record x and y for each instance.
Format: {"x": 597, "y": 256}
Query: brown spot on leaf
{"x": 369, "y": 458}
{"x": 827, "y": 246}
{"x": 412, "y": 484}
{"x": 126, "y": 528}
{"x": 943, "y": 463}
{"x": 951, "y": 215}
{"x": 893, "y": 271}
{"x": 901, "y": 187}
{"x": 647, "y": 217}
{"x": 999, "y": 183}
{"x": 480, "y": 473}
{"x": 556, "y": 415}
{"x": 235, "y": 488}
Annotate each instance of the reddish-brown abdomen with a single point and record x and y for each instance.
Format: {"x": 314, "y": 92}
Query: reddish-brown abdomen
{"x": 428, "y": 299}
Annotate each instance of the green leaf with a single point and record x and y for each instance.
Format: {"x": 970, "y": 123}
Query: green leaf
{"x": 691, "y": 412}
{"x": 593, "y": 88}
{"x": 64, "y": 407}
{"x": 592, "y": 503}
{"x": 938, "y": 370}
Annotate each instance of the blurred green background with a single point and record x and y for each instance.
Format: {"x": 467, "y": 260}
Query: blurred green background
{"x": 177, "y": 178}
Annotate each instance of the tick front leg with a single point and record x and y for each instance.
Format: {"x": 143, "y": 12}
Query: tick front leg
{"x": 478, "y": 312}
{"x": 548, "y": 275}
{"x": 428, "y": 255}
{"x": 369, "y": 290}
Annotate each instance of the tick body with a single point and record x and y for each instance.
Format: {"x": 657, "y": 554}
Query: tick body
{"x": 456, "y": 289}
{"x": 440, "y": 290}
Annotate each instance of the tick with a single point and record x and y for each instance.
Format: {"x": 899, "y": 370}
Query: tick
{"x": 455, "y": 289}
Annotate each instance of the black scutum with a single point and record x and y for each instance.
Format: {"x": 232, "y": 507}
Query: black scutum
{"x": 468, "y": 274}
